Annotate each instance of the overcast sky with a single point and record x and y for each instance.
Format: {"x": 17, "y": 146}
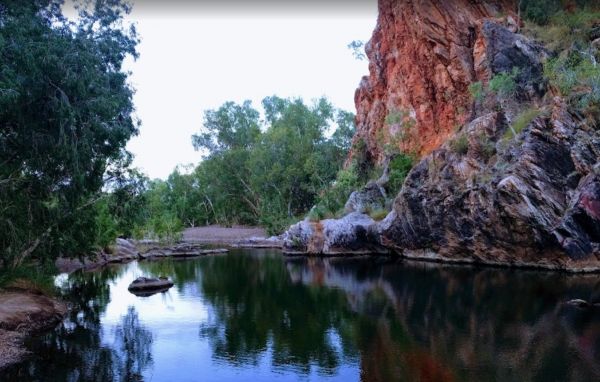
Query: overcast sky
{"x": 196, "y": 57}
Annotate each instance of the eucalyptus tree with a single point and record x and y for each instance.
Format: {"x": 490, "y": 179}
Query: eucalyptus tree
{"x": 66, "y": 113}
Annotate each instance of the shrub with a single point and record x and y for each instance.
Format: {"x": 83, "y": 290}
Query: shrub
{"x": 403, "y": 124}
{"x": 34, "y": 277}
{"x": 460, "y": 145}
{"x": 332, "y": 200}
{"x": 504, "y": 84}
{"x": 576, "y": 77}
{"x": 521, "y": 122}
{"x": 277, "y": 224}
{"x": 476, "y": 90}
{"x": 487, "y": 147}
{"x": 165, "y": 228}
{"x": 539, "y": 11}
{"x": 398, "y": 168}
{"x": 106, "y": 225}
{"x": 564, "y": 29}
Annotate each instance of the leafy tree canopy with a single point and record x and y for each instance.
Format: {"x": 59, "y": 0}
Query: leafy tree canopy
{"x": 66, "y": 113}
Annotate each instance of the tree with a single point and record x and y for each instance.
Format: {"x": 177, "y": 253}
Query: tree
{"x": 268, "y": 173}
{"x": 66, "y": 113}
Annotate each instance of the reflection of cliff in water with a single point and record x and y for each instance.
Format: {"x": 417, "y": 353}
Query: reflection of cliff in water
{"x": 434, "y": 322}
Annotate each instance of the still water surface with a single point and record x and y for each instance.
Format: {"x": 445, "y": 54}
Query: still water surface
{"x": 256, "y": 316}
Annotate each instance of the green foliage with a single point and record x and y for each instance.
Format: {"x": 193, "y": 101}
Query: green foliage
{"x": 398, "y": 168}
{"x": 400, "y": 128}
{"x": 361, "y": 159}
{"x": 460, "y": 144}
{"x": 504, "y": 84}
{"x": 333, "y": 198}
{"x": 230, "y": 127}
{"x": 106, "y": 224}
{"x": 30, "y": 276}
{"x": 552, "y": 12}
{"x": 576, "y": 77}
{"x": 164, "y": 227}
{"x": 260, "y": 172}
{"x": 521, "y": 122}
{"x": 573, "y": 71}
{"x": 487, "y": 146}
{"x": 378, "y": 214}
{"x": 66, "y": 113}
{"x": 565, "y": 30}
{"x": 539, "y": 11}
{"x": 476, "y": 90}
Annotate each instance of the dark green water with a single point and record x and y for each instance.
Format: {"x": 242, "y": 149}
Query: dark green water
{"x": 255, "y": 316}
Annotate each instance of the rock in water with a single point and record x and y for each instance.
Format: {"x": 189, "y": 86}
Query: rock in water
{"x": 143, "y": 286}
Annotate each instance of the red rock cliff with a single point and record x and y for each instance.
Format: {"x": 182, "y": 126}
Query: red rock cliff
{"x": 423, "y": 56}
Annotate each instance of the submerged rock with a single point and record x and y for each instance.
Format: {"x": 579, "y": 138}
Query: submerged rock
{"x": 143, "y": 286}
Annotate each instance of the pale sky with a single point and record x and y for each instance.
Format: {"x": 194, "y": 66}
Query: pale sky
{"x": 193, "y": 59}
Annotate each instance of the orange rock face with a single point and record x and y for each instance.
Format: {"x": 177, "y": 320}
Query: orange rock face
{"x": 423, "y": 56}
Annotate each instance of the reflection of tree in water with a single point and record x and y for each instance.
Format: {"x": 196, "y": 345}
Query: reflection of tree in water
{"x": 255, "y": 304}
{"x": 182, "y": 272}
{"x": 132, "y": 353}
{"x": 398, "y": 320}
{"x": 75, "y": 350}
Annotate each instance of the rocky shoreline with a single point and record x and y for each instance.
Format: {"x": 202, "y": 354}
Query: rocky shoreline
{"x": 24, "y": 313}
{"x": 196, "y": 241}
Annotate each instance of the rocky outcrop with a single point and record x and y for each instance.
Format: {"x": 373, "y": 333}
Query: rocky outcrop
{"x": 121, "y": 252}
{"x": 370, "y": 197}
{"x": 181, "y": 250}
{"x": 517, "y": 184}
{"x": 355, "y": 233}
{"x": 423, "y": 56}
{"x": 534, "y": 203}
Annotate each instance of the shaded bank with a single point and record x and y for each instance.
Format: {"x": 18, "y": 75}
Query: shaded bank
{"x": 23, "y": 314}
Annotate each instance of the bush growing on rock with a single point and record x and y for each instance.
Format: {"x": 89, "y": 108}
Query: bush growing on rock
{"x": 460, "y": 144}
{"x": 477, "y": 91}
{"x": 398, "y": 168}
{"x": 504, "y": 84}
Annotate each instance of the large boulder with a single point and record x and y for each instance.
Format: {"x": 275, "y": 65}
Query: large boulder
{"x": 371, "y": 197}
